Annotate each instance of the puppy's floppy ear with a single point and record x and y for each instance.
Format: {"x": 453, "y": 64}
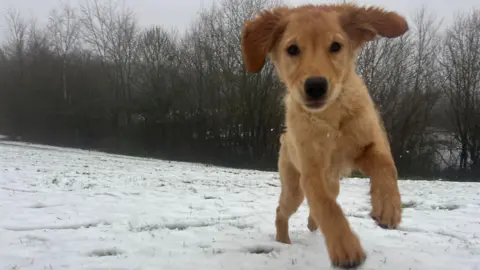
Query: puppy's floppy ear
{"x": 364, "y": 24}
{"x": 259, "y": 36}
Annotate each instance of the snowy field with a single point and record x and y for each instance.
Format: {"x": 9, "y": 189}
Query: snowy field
{"x": 71, "y": 209}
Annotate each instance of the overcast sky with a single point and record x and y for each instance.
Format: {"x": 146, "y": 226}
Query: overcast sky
{"x": 180, "y": 13}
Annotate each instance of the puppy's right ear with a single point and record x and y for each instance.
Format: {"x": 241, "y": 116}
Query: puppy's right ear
{"x": 259, "y": 36}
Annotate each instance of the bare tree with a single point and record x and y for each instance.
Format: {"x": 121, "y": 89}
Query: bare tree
{"x": 110, "y": 29}
{"x": 17, "y": 38}
{"x": 64, "y": 34}
{"x": 159, "y": 62}
{"x": 403, "y": 79}
{"x": 247, "y": 106}
{"x": 461, "y": 69}
{"x": 14, "y": 77}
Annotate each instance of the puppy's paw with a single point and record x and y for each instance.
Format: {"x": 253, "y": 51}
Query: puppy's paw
{"x": 345, "y": 251}
{"x": 386, "y": 210}
{"x": 282, "y": 238}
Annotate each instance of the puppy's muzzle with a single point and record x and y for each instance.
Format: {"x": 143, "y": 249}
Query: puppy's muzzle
{"x": 315, "y": 91}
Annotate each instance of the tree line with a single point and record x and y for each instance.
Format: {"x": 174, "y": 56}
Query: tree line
{"x": 92, "y": 78}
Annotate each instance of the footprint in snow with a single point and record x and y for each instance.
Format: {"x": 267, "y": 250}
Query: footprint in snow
{"x": 40, "y": 205}
{"x": 409, "y": 204}
{"x": 179, "y": 226}
{"x": 448, "y": 207}
{"x": 105, "y": 252}
{"x": 260, "y": 249}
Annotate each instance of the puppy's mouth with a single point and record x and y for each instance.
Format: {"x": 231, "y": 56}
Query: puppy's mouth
{"x": 314, "y": 104}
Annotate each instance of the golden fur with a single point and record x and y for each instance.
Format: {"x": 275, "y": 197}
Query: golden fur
{"x": 325, "y": 141}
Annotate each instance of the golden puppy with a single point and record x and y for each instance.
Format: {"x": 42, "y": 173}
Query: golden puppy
{"x": 332, "y": 124}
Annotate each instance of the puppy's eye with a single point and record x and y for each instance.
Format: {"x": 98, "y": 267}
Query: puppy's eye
{"x": 293, "y": 50}
{"x": 335, "y": 47}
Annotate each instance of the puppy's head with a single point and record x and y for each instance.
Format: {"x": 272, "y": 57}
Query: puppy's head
{"x": 313, "y": 48}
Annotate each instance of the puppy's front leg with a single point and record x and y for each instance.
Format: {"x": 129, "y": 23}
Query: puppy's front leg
{"x": 343, "y": 245}
{"x": 377, "y": 162}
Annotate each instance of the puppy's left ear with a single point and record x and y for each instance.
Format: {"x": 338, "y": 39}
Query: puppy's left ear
{"x": 364, "y": 24}
{"x": 259, "y": 36}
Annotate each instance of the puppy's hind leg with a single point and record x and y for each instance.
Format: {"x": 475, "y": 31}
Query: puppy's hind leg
{"x": 291, "y": 196}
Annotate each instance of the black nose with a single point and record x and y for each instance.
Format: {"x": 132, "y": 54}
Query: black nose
{"x": 316, "y": 87}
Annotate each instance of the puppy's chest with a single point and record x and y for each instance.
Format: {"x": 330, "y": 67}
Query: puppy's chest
{"x": 335, "y": 142}
{"x": 320, "y": 138}
{"x": 327, "y": 141}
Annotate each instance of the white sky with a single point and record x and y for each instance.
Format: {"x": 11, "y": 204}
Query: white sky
{"x": 180, "y": 13}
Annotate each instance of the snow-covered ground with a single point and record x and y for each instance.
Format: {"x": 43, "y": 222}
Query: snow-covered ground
{"x": 72, "y": 209}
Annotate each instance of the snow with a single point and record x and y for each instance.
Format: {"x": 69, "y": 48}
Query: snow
{"x": 71, "y": 209}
